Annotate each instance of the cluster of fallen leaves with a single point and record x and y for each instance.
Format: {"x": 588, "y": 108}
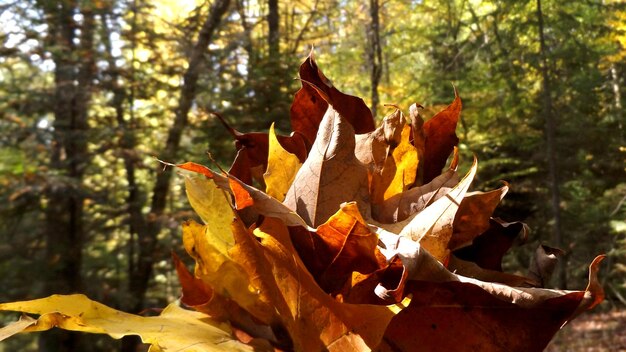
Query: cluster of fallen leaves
{"x": 342, "y": 237}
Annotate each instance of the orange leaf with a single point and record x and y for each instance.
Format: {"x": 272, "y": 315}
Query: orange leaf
{"x": 350, "y": 247}
{"x": 313, "y": 319}
{"x": 398, "y": 171}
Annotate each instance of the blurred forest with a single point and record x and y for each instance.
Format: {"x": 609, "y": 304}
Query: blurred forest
{"x": 92, "y": 92}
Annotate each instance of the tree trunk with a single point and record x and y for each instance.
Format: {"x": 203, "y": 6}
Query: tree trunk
{"x": 273, "y": 20}
{"x": 551, "y": 153}
{"x": 65, "y": 233}
{"x": 374, "y": 53}
{"x": 147, "y": 235}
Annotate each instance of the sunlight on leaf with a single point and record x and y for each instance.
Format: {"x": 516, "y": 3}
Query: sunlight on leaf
{"x": 163, "y": 332}
{"x": 282, "y": 168}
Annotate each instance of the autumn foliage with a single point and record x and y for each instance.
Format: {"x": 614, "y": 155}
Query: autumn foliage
{"x": 344, "y": 237}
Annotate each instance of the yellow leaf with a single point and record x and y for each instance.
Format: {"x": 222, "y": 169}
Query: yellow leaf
{"x": 282, "y": 168}
{"x": 214, "y": 208}
{"x": 399, "y": 170}
{"x": 164, "y": 332}
{"x": 218, "y": 270}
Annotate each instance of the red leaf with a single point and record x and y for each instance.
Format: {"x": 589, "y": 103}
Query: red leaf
{"x": 195, "y": 292}
{"x": 309, "y": 106}
{"x": 440, "y": 139}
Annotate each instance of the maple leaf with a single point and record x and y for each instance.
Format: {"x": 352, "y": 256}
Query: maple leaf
{"x": 331, "y": 174}
{"x": 317, "y": 93}
{"x": 354, "y": 240}
{"x": 78, "y": 313}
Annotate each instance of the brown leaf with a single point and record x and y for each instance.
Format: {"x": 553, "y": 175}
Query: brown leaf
{"x": 483, "y": 315}
{"x": 440, "y": 138}
{"x": 331, "y": 174}
{"x": 309, "y": 107}
{"x": 489, "y": 248}
{"x": 432, "y": 227}
{"x": 543, "y": 263}
{"x": 473, "y": 216}
{"x": 372, "y": 148}
{"x": 418, "y": 139}
{"x": 469, "y": 269}
{"x": 453, "y": 316}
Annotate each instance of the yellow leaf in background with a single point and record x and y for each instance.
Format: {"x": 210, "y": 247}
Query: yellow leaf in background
{"x": 218, "y": 270}
{"x": 399, "y": 170}
{"x": 213, "y": 206}
{"x": 282, "y": 168}
{"x": 176, "y": 329}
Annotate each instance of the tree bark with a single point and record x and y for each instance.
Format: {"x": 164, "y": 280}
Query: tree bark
{"x": 374, "y": 54}
{"x": 64, "y": 229}
{"x": 551, "y": 153}
{"x": 273, "y": 21}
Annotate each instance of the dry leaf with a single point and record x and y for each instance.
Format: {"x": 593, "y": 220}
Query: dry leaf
{"x": 472, "y": 218}
{"x": 313, "y": 319}
{"x": 282, "y": 167}
{"x": 331, "y": 174}
{"x": 372, "y": 148}
{"x": 543, "y": 263}
{"x": 398, "y": 171}
{"x": 219, "y": 271}
{"x": 440, "y": 138}
{"x": 309, "y": 107}
{"x": 163, "y": 332}
{"x": 489, "y": 248}
{"x": 347, "y": 246}
{"x": 401, "y": 206}
{"x": 212, "y": 204}
{"x": 432, "y": 227}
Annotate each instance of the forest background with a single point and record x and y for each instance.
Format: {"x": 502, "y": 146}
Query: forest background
{"x": 92, "y": 92}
